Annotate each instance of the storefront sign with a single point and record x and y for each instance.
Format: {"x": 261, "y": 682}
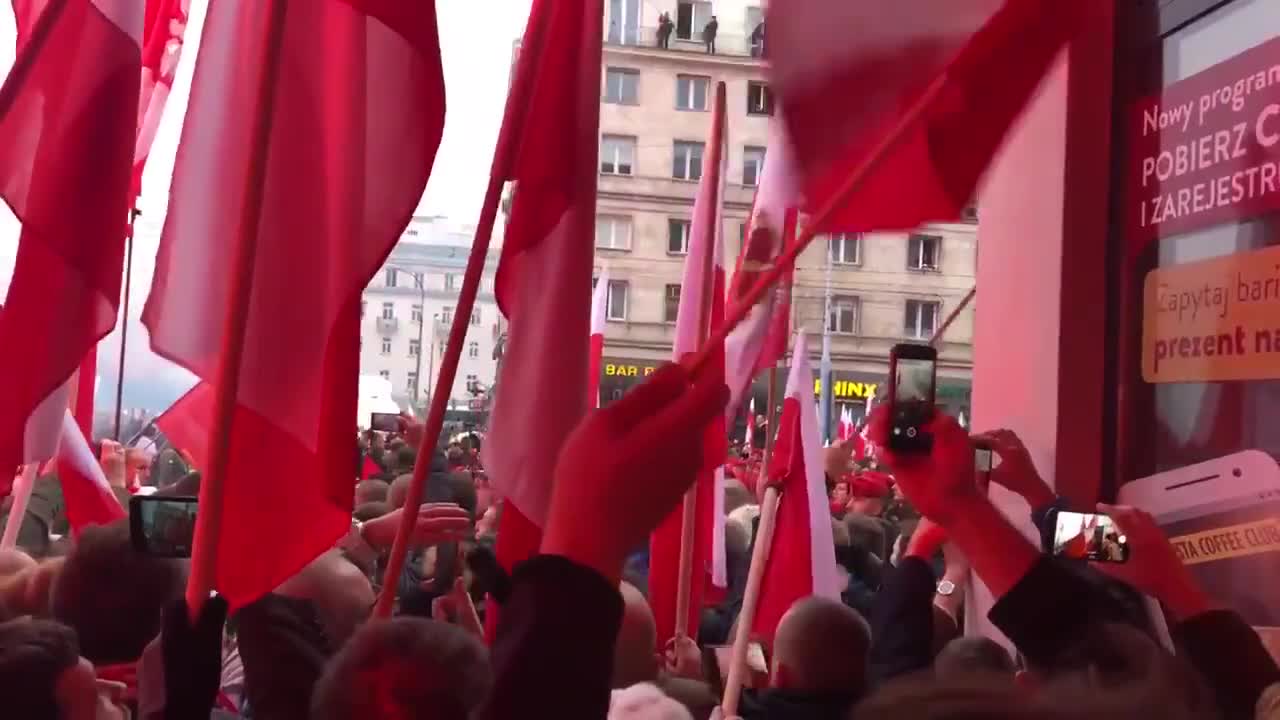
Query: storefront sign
{"x": 1228, "y": 542}
{"x": 848, "y": 389}
{"x": 1213, "y": 320}
{"x": 1206, "y": 150}
{"x": 627, "y": 369}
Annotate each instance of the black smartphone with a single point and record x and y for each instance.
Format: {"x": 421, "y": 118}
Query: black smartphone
{"x": 162, "y": 525}
{"x": 384, "y": 422}
{"x": 913, "y": 374}
{"x": 1089, "y": 536}
{"x": 982, "y": 459}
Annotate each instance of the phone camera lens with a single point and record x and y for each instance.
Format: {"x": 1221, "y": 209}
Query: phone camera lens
{"x": 1236, "y": 472}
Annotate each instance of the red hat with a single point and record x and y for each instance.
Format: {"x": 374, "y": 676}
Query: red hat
{"x": 870, "y": 484}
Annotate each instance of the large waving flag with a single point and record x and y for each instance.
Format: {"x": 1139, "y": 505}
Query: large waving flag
{"x": 802, "y": 558}
{"x": 548, "y": 146}
{"x": 88, "y": 497}
{"x": 702, "y": 297}
{"x": 599, "y": 322}
{"x": 68, "y": 111}
{"x": 166, "y": 24}
{"x": 772, "y": 215}
{"x": 309, "y": 138}
{"x": 847, "y": 70}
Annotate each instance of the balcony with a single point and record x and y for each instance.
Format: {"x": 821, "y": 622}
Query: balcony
{"x": 646, "y": 37}
{"x": 388, "y": 325}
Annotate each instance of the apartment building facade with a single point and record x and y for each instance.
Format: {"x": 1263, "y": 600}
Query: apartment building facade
{"x": 655, "y": 114}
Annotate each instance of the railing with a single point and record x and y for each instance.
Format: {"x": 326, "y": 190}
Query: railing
{"x": 647, "y": 36}
{"x": 388, "y": 325}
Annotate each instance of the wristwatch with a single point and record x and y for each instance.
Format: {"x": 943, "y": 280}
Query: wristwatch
{"x": 356, "y": 547}
{"x": 946, "y": 588}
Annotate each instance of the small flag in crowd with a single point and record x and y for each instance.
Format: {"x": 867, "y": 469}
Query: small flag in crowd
{"x": 847, "y": 71}
{"x": 67, "y": 127}
{"x": 599, "y": 321}
{"x": 294, "y": 107}
{"x": 702, "y": 297}
{"x": 548, "y": 146}
{"x": 88, "y": 497}
{"x": 802, "y": 559}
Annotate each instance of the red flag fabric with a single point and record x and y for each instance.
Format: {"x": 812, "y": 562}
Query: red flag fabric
{"x": 846, "y": 70}
{"x": 67, "y": 115}
{"x": 166, "y": 24}
{"x": 369, "y": 468}
{"x": 350, "y": 96}
{"x": 86, "y": 386}
{"x": 599, "y": 321}
{"x": 548, "y": 147}
{"x": 702, "y": 297}
{"x": 187, "y": 424}
{"x": 802, "y": 558}
{"x": 88, "y": 496}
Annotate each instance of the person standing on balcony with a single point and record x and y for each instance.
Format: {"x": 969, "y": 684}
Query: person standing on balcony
{"x": 757, "y": 40}
{"x": 709, "y": 35}
{"x": 665, "y": 26}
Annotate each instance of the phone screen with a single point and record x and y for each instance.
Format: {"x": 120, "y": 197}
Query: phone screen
{"x": 913, "y": 381}
{"x": 1089, "y": 536}
{"x": 982, "y": 459}
{"x": 384, "y": 422}
{"x": 163, "y": 526}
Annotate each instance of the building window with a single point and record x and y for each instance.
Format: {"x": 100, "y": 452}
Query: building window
{"x": 691, "y": 92}
{"x": 691, "y": 18}
{"x": 923, "y": 252}
{"x": 616, "y": 304}
{"x": 388, "y": 311}
{"x": 844, "y": 315}
{"x": 755, "y": 18}
{"x": 622, "y": 86}
{"x": 415, "y": 347}
{"x": 386, "y": 346}
{"x": 411, "y": 384}
{"x": 922, "y": 319}
{"x": 385, "y": 374}
{"x": 752, "y": 165}
{"x": 686, "y": 160}
{"x": 613, "y": 232}
{"x": 391, "y": 277}
{"x": 415, "y": 314}
{"x": 759, "y": 99}
{"x": 446, "y": 316}
{"x": 450, "y": 281}
{"x": 473, "y": 349}
{"x": 617, "y": 154}
{"x": 845, "y": 248}
{"x": 624, "y": 22}
{"x": 418, "y": 280}
{"x": 671, "y": 303}
{"x": 475, "y": 316}
{"x": 678, "y": 236}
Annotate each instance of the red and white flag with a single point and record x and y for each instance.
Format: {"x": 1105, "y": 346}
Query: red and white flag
{"x": 802, "y": 558}
{"x": 548, "y": 146}
{"x": 187, "y": 424}
{"x": 334, "y": 110}
{"x": 88, "y": 497}
{"x": 846, "y": 71}
{"x": 599, "y": 321}
{"x": 750, "y": 439}
{"x": 772, "y": 216}
{"x": 702, "y": 298}
{"x": 165, "y": 26}
{"x": 68, "y": 111}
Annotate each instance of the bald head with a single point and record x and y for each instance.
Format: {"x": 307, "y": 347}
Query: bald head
{"x": 341, "y": 594}
{"x": 368, "y": 491}
{"x": 398, "y": 491}
{"x": 635, "y": 652}
{"x": 821, "y": 646}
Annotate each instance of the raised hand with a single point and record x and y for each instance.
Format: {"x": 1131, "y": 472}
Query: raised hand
{"x": 1153, "y": 566}
{"x": 437, "y": 523}
{"x": 1015, "y": 472}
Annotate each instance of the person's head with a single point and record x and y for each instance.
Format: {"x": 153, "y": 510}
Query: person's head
{"x": 405, "y": 457}
{"x": 735, "y": 495}
{"x": 840, "y": 493}
{"x": 371, "y": 491}
{"x": 746, "y": 516}
{"x": 635, "y": 651}
{"x": 112, "y": 595}
{"x": 14, "y": 561}
{"x": 456, "y": 455}
{"x": 43, "y": 676}
{"x": 365, "y": 512}
{"x": 399, "y": 491}
{"x": 341, "y": 593}
{"x": 821, "y": 646}
{"x": 406, "y": 667}
{"x": 461, "y": 490}
{"x": 965, "y": 656}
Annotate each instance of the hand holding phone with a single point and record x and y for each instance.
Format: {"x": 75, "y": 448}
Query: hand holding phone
{"x": 1089, "y": 536}
{"x": 385, "y": 422}
{"x": 912, "y": 387}
{"x": 163, "y": 526}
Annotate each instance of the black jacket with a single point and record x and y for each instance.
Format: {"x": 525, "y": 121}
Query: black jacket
{"x": 774, "y": 704}
{"x": 902, "y": 621}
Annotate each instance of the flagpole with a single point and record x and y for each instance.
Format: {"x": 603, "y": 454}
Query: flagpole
{"x": 204, "y": 555}
{"x": 739, "y": 310}
{"x": 968, "y": 298}
{"x": 22, "y": 487}
{"x": 824, "y": 371}
{"x": 124, "y": 318}
{"x": 750, "y": 598}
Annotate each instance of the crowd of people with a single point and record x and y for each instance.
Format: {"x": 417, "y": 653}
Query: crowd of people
{"x": 93, "y": 628}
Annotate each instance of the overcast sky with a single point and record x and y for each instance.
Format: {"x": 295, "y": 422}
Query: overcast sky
{"x": 475, "y": 41}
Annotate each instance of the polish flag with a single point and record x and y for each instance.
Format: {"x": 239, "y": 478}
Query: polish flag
{"x": 317, "y": 122}
{"x": 772, "y": 215}
{"x": 749, "y": 440}
{"x": 186, "y": 424}
{"x": 702, "y": 296}
{"x": 846, "y": 71}
{"x": 548, "y": 146}
{"x": 802, "y": 558}
{"x": 166, "y": 24}
{"x": 68, "y": 114}
{"x": 88, "y": 496}
{"x": 599, "y": 320}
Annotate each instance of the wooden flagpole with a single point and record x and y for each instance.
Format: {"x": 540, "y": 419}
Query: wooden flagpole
{"x": 750, "y": 598}
{"x": 124, "y": 318}
{"x": 787, "y": 260}
{"x": 968, "y": 298}
{"x": 22, "y": 486}
{"x": 204, "y": 553}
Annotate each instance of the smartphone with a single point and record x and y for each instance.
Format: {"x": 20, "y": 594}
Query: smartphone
{"x": 384, "y": 422}
{"x": 162, "y": 525}
{"x": 1089, "y": 536}
{"x": 982, "y": 459}
{"x": 913, "y": 374}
